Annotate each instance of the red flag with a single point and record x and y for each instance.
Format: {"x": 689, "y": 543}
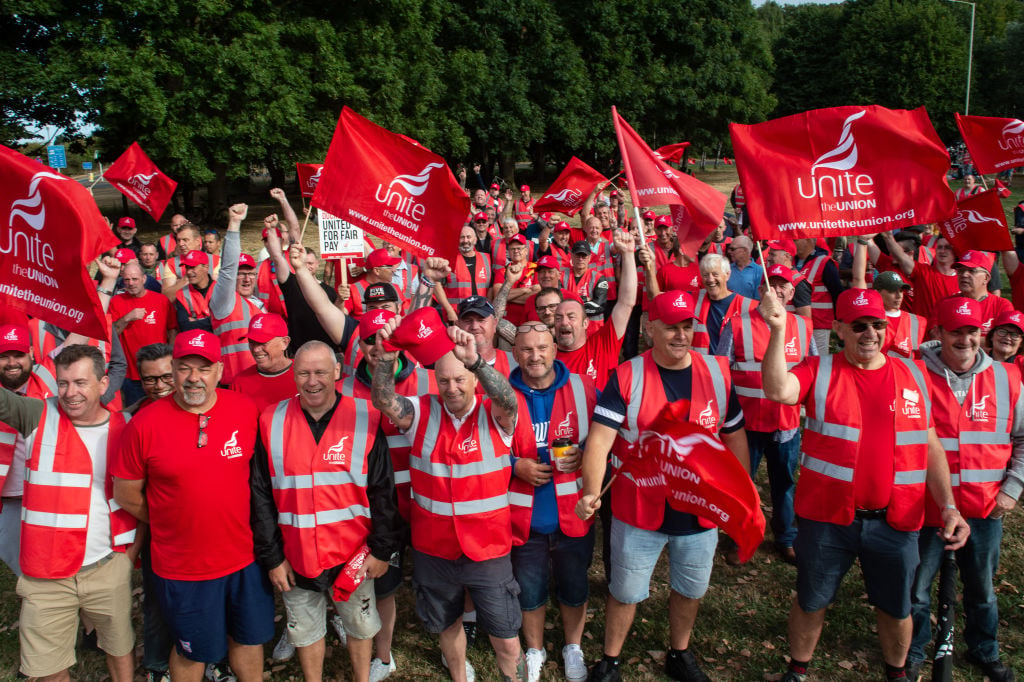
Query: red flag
{"x": 392, "y": 188}
{"x": 570, "y": 189}
{"x": 309, "y": 177}
{"x": 979, "y": 223}
{"x": 996, "y": 144}
{"x": 692, "y": 162}
{"x": 690, "y": 236}
{"x": 672, "y": 152}
{"x": 138, "y": 178}
{"x": 703, "y": 477}
{"x": 1002, "y": 189}
{"x": 51, "y": 229}
{"x": 653, "y": 182}
{"x": 842, "y": 171}
{"x": 727, "y": 161}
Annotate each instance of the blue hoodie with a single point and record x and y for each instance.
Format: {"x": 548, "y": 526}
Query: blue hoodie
{"x": 540, "y": 403}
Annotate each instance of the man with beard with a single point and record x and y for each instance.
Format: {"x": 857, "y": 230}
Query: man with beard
{"x": 141, "y": 317}
{"x": 471, "y": 275}
{"x": 192, "y": 302}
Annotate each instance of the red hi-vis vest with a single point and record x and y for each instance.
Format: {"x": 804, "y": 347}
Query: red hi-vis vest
{"x": 750, "y": 338}
{"x": 701, "y": 338}
{"x": 352, "y": 355}
{"x": 320, "y": 488}
{"x": 268, "y": 289}
{"x": 524, "y": 212}
{"x": 904, "y": 335}
{"x": 570, "y": 417}
{"x": 822, "y": 307}
{"x": 197, "y": 305}
{"x": 419, "y": 382}
{"x": 976, "y": 438}
{"x": 459, "y": 284}
{"x": 41, "y": 384}
{"x": 57, "y": 496}
{"x": 168, "y": 243}
{"x": 459, "y": 485}
{"x": 831, "y": 441}
{"x": 639, "y": 494}
{"x": 232, "y": 331}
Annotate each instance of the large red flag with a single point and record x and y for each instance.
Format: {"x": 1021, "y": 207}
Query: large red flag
{"x": 672, "y": 152}
{"x": 50, "y": 229}
{"x": 842, "y": 171}
{"x": 570, "y": 189}
{"x": 690, "y": 236}
{"x": 979, "y": 223}
{"x": 391, "y": 187}
{"x": 995, "y": 144}
{"x": 138, "y": 178}
{"x": 702, "y": 477}
{"x": 309, "y": 177}
{"x": 653, "y": 182}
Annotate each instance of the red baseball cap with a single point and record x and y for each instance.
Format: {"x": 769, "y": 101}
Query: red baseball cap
{"x": 381, "y": 258}
{"x": 15, "y": 337}
{"x": 266, "y": 326}
{"x": 263, "y": 235}
{"x": 547, "y": 262}
{"x": 246, "y": 261}
{"x": 854, "y": 304}
{"x": 673, "y": 307}
{"x": 787, "y": 245}
{"x": 197, "y": 342}
{"x": 959, "y": 311}
{"x": 495, "y": 185}
{"x": 373, "y": 321}
{"x": 480, "y": 216}
{"x": 525, "y": 189}
{"x": 1012, "y": 318}
{"x": 975, "y": 259}
{"x": 649, "y": 215}
{"x": 519, "y": 238}
{"x": 663, "y": 221}
{"x": 124, "y": 255}
{"x": 562, "y": 226}
{"x": 546, "y": 217}
{"x": 788, "y": 274}
{"x": 422, "y": 334}
{"x": 570, "y": 295}
{"x": 194, "y": 258}
{"x": 126, "y": 221}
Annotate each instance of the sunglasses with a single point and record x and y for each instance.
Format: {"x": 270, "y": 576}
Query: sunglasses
{"x": 204, "y": 421}
{"x": 861, "y": 327}
{"x": 371, "y": 340}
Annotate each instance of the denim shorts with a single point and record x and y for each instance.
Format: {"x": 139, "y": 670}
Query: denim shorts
{"x": 307, "y": 614}
{"x": 826, "y": 551}
{"x": 553, "y": 554}
{"x": 635, "y": 552}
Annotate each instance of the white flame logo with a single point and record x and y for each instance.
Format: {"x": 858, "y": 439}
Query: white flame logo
{"x": 314, "y": 179}
{"x": 424, "y": 331}
{"x": 11, "y": 336}
{"x": 979, "y": 406}
{"x": 143, "y": 179}
{"x": 680, "y": 302}
{"x": 151, "y": 317}
{"x": 336, "y": 451}
{"x": 1014, "y": 127}
{"x": 566, "y": 196}
{"x": 680, "y": 447}
{"x": 964, "y": 309}
{"x": 415, "y": 184}
{"x": 861, "y": 299}
{"x": 791, "y": 345}
{"x": 669, "y": 173}
{"x": 257, "y": 324}
{"x": 233, "y": 441}
{"x": 35, "y": 219}
{"x": 197, "y": 342}
{"x": 975, "y": 217}
{"x": 706, "y": 413}
{"x": 566, "y": 423}
{"x": 379, "y": 319}
{"x": 847, "y": 145}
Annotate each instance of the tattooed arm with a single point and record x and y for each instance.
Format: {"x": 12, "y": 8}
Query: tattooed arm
{"x": 435, "y": 270}
{"x": 397, "y": 408}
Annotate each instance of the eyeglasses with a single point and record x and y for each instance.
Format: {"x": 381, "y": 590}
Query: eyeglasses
{"x": 553, "y": 306}
{"x": 1004, "y": 333}
{"x": 861, "y": 327}
{"x": 204, "y": 421}
{"x": 163, "y": 378}
{"x": 535, "y": 326}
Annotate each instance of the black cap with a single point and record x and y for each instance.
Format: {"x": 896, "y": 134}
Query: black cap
{"x": 581, "y": 247}
{"x": 475, "y": 304}
{"x": 380, "y": 293}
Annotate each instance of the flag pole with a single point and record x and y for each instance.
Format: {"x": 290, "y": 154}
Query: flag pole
{"x": 97, "y": 179}
{"x": 303, "y": 232}
{"x": 627, "y": 169}
{"x": 764, "y": 265}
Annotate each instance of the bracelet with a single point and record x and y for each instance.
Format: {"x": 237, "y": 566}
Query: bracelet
{"x": 862, "y": 242}
{"x": 476, "y": 365}
{"x": 426, "y": 282}
{"x": 101, "y": 290}
{"x": 951, "y": 506}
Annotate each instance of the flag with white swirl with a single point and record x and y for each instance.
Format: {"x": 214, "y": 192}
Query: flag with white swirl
{"x": 137, "y": 177}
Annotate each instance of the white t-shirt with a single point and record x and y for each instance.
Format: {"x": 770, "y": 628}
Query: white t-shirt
{"x": 97, "y": 539}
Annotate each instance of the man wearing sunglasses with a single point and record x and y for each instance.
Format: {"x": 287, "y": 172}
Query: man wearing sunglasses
{"x": 184, "y": 469}
{"x": 871, "y": 457}
{"x": 979, "y": 417}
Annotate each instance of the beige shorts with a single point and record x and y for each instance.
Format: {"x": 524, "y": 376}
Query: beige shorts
{"x": 307, "y": 614}
{"x": 49, "y": 614}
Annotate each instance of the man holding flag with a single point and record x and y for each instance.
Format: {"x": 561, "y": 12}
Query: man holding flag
{"x": 870, "y": 449}
{"x": 643, "y": 523}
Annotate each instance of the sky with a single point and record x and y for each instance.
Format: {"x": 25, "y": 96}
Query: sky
{"x": 758, "y": 3}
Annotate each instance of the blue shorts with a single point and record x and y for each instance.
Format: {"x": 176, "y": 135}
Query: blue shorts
{"x": 826, "y": 551}
{"x": 202, "y": 614}
{"x": 557, "y": 554}
{"x": 635, "y": 552}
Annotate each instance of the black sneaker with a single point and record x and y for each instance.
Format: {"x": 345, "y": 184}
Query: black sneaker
{"x": 470, "y": 628}
{"x": 791, "y": 676}
{"x": 682, "y": 666}
{"x": 914, "y": 670}
{"x": 605, "y": 671}
{"x": 995, "y": 670}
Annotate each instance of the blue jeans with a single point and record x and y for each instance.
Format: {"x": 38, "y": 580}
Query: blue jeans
{"x": 557, "y": 554}
{"x": 978, "y": 562}
{"x": 781, "y": 461}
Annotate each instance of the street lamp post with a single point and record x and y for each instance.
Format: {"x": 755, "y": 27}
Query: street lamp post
{"x": 970, "y": 56}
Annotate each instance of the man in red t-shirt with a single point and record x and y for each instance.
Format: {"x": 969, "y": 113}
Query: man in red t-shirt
{"x": 270, "y": 380}
{"x": 870, "y": 450}
{"x": 930, "y": 283}
{"x": 141, "y": 317}
{"x": 183, "y": 468}
{"x": 598, "y": 355}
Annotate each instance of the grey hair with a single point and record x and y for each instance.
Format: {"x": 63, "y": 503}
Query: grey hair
{"x": 715, "y": 262}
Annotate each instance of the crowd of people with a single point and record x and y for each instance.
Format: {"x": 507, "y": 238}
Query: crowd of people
{"x": 250, "y": 429}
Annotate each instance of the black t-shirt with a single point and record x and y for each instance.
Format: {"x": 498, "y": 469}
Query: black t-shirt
{"x": 302, "y": 323}
{"x": 802, "y": 294}
{"x": 471, "y": 267}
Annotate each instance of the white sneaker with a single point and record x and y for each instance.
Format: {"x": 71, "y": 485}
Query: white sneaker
{"x": 575, "y": 666}
{"x": 216, "y": 672}
{"x": 284, "y": 649}
{"x": 470, "y": 673}
{"x": 379, "y": 670}
{"x": 339, "y": 627}
{"x": 534, "y": 661}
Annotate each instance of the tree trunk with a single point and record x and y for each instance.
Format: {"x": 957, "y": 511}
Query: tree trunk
{"x": 539, "y": 163}
{"x": 276, "y": 174}
{"x": 216, "y": 190}
{"x": 507, "y": 168}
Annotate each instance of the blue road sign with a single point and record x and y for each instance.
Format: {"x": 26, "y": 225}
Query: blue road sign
{"x": 55, "y": 156}
{"x": 87, "y": 165}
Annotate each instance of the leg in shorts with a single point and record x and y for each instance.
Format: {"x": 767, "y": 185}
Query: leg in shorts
{"x": 547, "y": 554}
{"x": 307, "y": 614}
{"x": 635, "y": 552}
